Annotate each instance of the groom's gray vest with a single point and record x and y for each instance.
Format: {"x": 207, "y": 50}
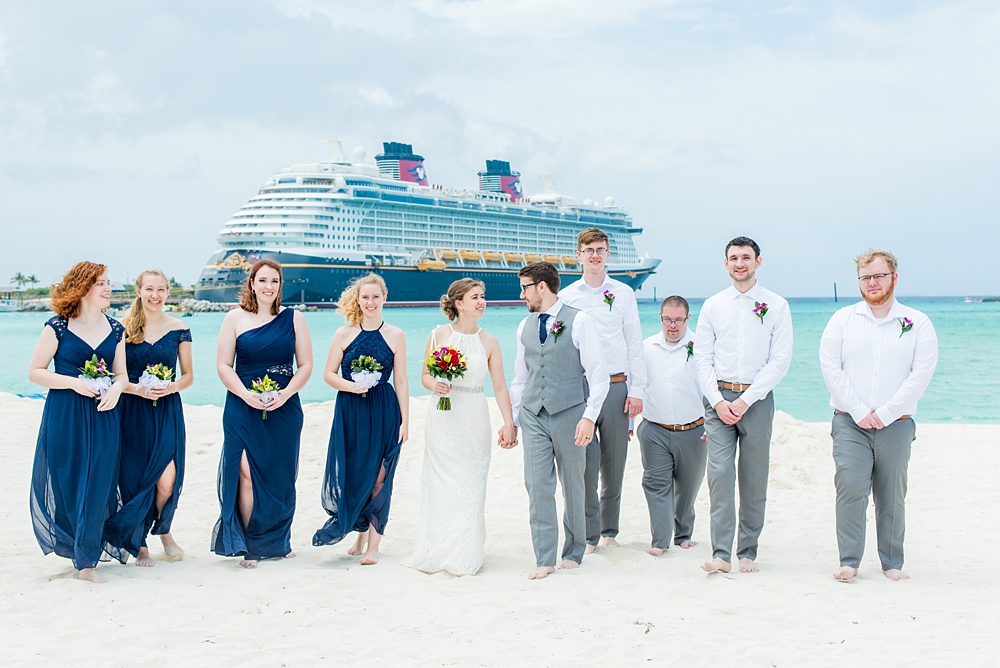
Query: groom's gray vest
{"x": 555, "y": 374}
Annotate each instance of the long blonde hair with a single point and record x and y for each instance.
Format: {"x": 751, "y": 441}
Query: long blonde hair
{"x": 135, "y": 319}
{"x": 348, "y": 305}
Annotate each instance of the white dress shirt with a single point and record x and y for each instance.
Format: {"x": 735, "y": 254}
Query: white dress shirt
{"x": 869, "y": 363}
{"x": 673, "y": 394}
{"x": 586, "y": 340}
{"x": 736, "y": 346}
{"x": 617, "y": 324}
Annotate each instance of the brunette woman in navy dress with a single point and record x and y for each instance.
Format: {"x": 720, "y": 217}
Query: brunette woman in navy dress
{"x": 151, "y": 472}
{"x": 260, "y": 457}
{"x": 369, "y": 424}
{"x": 73, "y": 487}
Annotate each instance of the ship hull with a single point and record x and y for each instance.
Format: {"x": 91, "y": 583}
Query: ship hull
{"x": 319, "y": 281}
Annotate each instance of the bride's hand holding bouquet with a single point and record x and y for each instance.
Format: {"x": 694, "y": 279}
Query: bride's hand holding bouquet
{"x": 445, "y": 364}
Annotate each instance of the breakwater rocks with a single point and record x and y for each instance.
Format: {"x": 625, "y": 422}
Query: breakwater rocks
{"x": 202, "y": 306}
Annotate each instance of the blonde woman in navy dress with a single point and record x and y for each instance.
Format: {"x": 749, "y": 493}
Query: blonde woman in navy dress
{"x": 369, "y": 424}
{"x": 76, "y": 458}
{"x": 151, "y": 473}
{"x": 260, "y": 458}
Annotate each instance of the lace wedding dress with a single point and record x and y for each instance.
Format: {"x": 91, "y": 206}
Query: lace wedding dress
{"x": 452, "y": 532}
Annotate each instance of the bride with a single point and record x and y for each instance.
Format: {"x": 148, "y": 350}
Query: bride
{"x": 452, "y": 532}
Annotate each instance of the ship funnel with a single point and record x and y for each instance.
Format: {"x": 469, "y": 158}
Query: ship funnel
{"x": 398, "y": 161}
{"x": 499, "y": 179}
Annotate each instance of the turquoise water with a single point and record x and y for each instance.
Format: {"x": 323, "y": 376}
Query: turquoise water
{"x": 964, "y": 388}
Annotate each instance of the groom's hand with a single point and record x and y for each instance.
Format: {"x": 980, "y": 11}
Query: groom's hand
{"x": 584, "y": 432}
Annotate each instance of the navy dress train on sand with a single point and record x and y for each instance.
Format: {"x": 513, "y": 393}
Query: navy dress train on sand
{"x": 152, "y": 437}
{"x": 271, "y": 447}
{"x": 73, "y": 487}
{"x": 364, "y": 438}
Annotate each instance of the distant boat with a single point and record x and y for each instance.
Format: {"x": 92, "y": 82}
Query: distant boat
{"x": 8, "y": 301}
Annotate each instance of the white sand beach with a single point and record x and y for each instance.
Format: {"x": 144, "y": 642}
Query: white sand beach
{"x": 623, "y": 607}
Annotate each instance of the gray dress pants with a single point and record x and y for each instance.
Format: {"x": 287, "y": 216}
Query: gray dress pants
{"x": 673, "y": 465}
{"x": 871, "y": 462}
{"x": 606, "y": 456}
{"x": 549, "y": 447}
{"x": 750, "y": 438}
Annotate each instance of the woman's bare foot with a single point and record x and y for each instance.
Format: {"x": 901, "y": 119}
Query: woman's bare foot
{"x": 656, "y": 551}
{"x": 371, "y": 552}
{"x": 748, "y": 566}
{"x": 717, "y": 565}
{"x": 541, "y": 572}
{"x": 249, "y": 563}
{"x": 144, "y": 560}
{"x": 609, "y": 541}
{"x": 687, "y": 544}
{"x": 359, "y": 544}
{"x": 90, "y": 575}
{"x": 370, "y": 559}
{"x": 845, "y": 573}
{"x": 171, "y": 549}
{"x": 896, "y": 575}
{"x": 290, "y": 555}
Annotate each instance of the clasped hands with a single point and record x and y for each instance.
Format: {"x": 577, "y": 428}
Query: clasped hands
{"x": 731, "y": 412}
{"x": 871, "y": 421}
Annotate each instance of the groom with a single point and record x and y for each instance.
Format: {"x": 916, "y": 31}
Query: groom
{"x": 558, "y": 349}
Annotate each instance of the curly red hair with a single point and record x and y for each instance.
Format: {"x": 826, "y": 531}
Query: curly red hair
{"x": 74, "y": 286}
{"x": 248, "y": 300}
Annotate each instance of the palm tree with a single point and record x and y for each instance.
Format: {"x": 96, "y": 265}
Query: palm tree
{"x": 19, "y": 279}
{"x": 32, "y": 280}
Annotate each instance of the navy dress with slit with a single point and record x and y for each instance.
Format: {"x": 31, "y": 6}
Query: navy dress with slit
{"x": 152, "y": 437}
{"x": 73, "y": 479}
{"x": 364, "y": 438}
{"x": 271, "y": 447}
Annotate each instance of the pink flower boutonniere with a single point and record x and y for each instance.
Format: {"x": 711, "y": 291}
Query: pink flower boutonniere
{"x": 760, "y": 310}
{"x": 689, "y": 346}
{"x": 905, "y": 325}
{"x": 609, "y": 299}
{"x": 555, "y": 329}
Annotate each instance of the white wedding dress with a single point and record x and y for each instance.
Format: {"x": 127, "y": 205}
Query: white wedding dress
{"x": 452, "y": 532}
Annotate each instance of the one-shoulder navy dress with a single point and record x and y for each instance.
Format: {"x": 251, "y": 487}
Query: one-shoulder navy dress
{"x": 271, "y": 447}
{"x": 73, "y": 487}
{"x": 152, "y": 437}
{"x": 364, "y": 438}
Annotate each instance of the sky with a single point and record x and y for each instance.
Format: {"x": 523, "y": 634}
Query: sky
{"x": 131, "y": 131}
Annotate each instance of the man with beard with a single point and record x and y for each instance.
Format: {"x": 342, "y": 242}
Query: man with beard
{"x": 742, "y": 350}
{"x": 557, "y": 346}
{"x": 877, "y": 358}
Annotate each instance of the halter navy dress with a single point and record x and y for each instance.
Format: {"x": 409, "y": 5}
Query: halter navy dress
{"x": 152, "y": 437}
{"x": 73, "y": 487}
{"x": 271, "y": 446}
{"x": 364, "y": 438}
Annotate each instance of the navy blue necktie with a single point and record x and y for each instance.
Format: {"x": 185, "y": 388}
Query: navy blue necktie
{"x": 543, "y": 331}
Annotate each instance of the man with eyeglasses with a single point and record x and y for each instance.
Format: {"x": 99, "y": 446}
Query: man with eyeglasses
{"x": 672, "y": 432}
{"x": 558, "y": 349}
{"x": 877, "y": 358}
{"x": 611, "y": 304}
{"x": 743, "y": 349}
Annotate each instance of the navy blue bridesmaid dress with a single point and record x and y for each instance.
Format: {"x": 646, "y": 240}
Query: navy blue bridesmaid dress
{"x": 364, "y": 438}
{"x": 271, "y": 447}
{"x": 73, "y": 480}
{"x": 151, "y": 438}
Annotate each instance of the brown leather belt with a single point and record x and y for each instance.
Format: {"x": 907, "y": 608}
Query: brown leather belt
{"x": 735, "y": 387}
{"x": 901, "y": 417}
{"x": 616, "y": 377}
{"x": 681, "y": 427}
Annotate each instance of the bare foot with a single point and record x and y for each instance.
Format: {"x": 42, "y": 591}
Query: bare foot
{"x": 370, "y": 559}
{"x": 717, "y": 565}
{"x": 144, "y": 559}
{"x": 896, "y": 575}
{"x": 845, "y": 573}
{"x": 359, "y": 545}
{"x": 171, "y": 549}
{"x": 590, "y": 549}
{"x": 541, "y": 572}
{"x": 609, "y": 541}
{"x": 568, "y": 565}
{"x": 748, "y": 566}
{"x": 656, "y": 551}
{"x": 290, "y": 555}
{"x": 90, "y": 575}
{"x": 687, "y": 544}
{"x": 249, "y": 563}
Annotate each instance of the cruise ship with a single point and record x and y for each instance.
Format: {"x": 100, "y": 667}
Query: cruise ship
{"x": 328, "y": 222}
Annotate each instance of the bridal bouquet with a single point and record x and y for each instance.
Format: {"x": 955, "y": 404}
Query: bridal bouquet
{"x": 446, "y": 364}
{"x": 96, "y": 376}
{"x": 266, "y": 388}
{"x": 155, "y": 377}
{"x": 366, "y": 372}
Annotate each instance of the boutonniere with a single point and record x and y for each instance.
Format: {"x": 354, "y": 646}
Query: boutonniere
{"x": 905, "y": 325}
{"x": 609, "y": 299}
{"x": 689, "y": 346}
{"x": 760, "y": 310}
{"x": 555, "y": 329}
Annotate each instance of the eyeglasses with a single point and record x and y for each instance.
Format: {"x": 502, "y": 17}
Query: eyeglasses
{"x": 877, "y": 277}
{"x": 525, "y": 286}
{"x": 678, "y": 321}
{"x": 601, "y": 252}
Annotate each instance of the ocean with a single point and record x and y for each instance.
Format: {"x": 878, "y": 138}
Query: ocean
{"x": 964, "y": 388}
